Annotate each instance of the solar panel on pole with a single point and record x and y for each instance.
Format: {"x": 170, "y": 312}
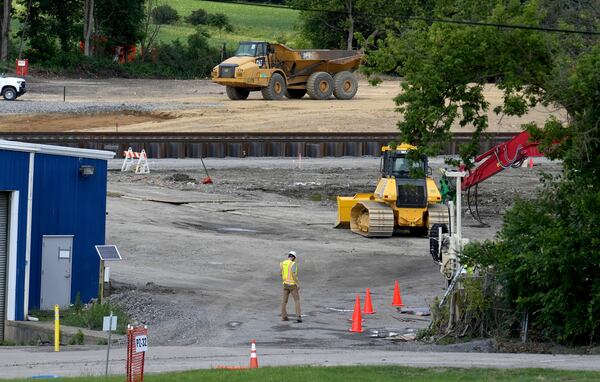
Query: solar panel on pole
{"x": 108, "y": 252}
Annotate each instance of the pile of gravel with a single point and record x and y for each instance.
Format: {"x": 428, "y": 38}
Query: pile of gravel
{"x": 33, "y": 107}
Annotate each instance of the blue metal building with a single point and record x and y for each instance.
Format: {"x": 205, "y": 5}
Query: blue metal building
{"x": 52, "y": 213}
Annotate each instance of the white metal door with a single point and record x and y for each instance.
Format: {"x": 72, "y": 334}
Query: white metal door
{"x": 3, "y": 259}
{"x": 57, "y": 253}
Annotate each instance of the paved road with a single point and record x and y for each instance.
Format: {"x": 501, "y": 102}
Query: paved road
{"x": 26, "y": 362}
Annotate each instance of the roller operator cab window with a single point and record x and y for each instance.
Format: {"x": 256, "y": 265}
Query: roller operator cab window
{"x": 251, "y": 49}
{"x": 402, "y": 167}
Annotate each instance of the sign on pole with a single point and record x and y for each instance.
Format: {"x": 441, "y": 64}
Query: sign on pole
{"x": 109, "y": 323}
{"x": 141, "y": 343}
{"x": 137, "y": 345}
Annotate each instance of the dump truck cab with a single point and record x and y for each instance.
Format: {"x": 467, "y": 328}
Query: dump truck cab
{"x": 252, "y": 49}
{"x": 278, "y": 72}
{"x": 248, "y": 68}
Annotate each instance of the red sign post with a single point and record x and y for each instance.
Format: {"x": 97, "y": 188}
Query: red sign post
{"x": 137, "y": 344}
{"x": 22, "y": 67}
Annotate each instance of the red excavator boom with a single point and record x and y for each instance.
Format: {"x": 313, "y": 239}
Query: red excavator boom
{"x": 511, "y": 153}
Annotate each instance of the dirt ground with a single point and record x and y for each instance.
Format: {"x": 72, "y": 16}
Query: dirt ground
{"x": 201, "y": 106}
{"x": 201, "y": 261}
{"x": 58, "y": 122}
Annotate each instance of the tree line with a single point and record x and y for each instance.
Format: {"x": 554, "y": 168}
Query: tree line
{"x": 92, "y": 37}
{"x": 541, "y": 271}
{"x": 50, "y": 27}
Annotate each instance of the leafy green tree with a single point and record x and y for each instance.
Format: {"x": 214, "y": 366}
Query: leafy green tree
{"x": 121, "y": 21}
{"x": 197, "y": 17}
{"x": 334, "y": 23}
{"x": 164, "y": 14}
{"x": 547, "y": 253}
{"x": 445, "y": 68}
{"x": 52, "y": 26}
{"x": 192, "y": 60}
{"x": 219, "y": 21}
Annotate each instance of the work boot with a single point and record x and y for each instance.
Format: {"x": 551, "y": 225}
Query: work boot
{"x": 284, "y": 319}
{"x": 299, "y": 320}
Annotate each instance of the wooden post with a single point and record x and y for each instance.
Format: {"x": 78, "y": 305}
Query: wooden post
{"x": 101, "y": 282}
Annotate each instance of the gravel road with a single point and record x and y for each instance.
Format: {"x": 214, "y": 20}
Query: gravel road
{"x": 201, "y": 105}
{"x": 23, "y": 106}
{"x": 30, "y": 362}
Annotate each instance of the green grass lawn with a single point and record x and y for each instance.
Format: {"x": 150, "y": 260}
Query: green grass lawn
{"x": 250, "y": 23}
{"x": 359, "y": 373}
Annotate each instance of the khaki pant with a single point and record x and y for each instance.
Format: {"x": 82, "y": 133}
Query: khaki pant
{"x": 293, "y": 290}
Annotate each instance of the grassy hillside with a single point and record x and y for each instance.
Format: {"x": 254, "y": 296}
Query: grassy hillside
{"x": 250, "y": 23}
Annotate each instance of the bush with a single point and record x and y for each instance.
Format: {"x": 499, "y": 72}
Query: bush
{"x": 197, "y": 17}
{"x": 220, "y": 21}
{"x": 77, "y": 339}
{"x": 547, "y": 260}
{"x": 173, "y": 60}
{"x": 90, "y": 316}
{"x": 165, "y": 14}
{"x": 196, "y": 59}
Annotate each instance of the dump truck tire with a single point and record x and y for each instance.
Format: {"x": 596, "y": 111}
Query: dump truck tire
{"x": 295, "y": 93}
{"x": 319, "y": 85}
{"x": 345, "y": 85}
{"x": 276, "y": 88}
{"x": 236, "y": 94}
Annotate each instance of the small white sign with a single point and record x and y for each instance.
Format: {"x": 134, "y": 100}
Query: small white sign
{"x": 107, "y": 324}
{"x": 64, "y": 254}
{"x": 106, "y": 274}
{"x": 141, "y": 344}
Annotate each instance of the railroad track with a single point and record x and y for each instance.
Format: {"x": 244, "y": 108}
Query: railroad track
{"x": 219, "y": 145}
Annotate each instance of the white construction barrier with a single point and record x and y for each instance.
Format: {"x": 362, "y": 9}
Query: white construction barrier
{"x": 141, "y": 167}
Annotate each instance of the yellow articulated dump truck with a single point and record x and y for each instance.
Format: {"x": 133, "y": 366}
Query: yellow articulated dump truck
{"x": 406, "y": 197}
{"x": 278, "y": 71}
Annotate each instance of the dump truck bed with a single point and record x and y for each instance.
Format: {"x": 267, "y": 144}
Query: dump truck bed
{"x": 298, "y": 63}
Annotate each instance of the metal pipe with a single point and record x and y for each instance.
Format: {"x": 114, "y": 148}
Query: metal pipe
{"x": 28, "y": 234}
{"x": 56, "y": 328}
{"x": 458, "y": 208}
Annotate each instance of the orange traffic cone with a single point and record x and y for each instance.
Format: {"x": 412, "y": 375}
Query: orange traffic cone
{"x": 397, "y": 300}
{"x": 253, "y": 357}
{"x": 356, "y": 317}
{"x": 368, "y": 304}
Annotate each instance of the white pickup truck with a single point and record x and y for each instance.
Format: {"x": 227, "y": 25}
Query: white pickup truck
{"x": 11, "y": 87}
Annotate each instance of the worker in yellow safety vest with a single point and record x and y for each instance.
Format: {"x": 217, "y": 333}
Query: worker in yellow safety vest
{"x": 291, "y": 285}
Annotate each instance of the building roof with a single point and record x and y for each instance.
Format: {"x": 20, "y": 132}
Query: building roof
{"x": 55, "y": 150}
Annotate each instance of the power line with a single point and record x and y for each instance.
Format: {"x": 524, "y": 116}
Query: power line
{"x": 420, "y": 18}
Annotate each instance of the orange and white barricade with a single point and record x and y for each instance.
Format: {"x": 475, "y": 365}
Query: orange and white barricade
{"x": 137, "y": 345}
{"x": 141, "y": 167}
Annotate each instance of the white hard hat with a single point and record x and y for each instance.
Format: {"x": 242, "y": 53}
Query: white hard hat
{"x": 292, "y": 253}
